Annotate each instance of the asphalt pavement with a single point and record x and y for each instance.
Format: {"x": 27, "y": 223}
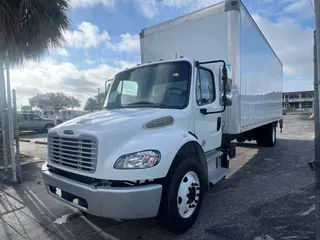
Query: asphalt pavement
{"x": 269, "y": 195}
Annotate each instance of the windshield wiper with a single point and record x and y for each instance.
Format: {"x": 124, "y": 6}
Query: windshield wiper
{"x": 151, "y": 104}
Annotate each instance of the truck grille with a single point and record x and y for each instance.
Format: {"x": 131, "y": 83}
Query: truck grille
{"x": 80, "y": 154}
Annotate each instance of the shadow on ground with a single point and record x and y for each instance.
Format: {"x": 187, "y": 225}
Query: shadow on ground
{"x": 268, "y": 195}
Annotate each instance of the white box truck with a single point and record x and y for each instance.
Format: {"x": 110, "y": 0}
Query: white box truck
{"x": 167, "y": 129}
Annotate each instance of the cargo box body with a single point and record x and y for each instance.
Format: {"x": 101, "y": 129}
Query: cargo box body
{"x": 225, "y": 31}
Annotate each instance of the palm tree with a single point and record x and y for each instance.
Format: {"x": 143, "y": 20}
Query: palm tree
{"x": 28, "y": 28}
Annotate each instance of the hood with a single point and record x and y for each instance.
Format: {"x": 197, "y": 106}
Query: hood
{"x": 117, "y": 120}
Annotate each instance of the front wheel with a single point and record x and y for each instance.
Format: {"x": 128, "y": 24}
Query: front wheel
{"x": 182, "y": 196}
{"x": 48, "y": 127}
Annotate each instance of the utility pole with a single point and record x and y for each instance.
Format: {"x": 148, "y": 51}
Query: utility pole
{"x": 316, "y": 114}
{"x": 10, "y": 139}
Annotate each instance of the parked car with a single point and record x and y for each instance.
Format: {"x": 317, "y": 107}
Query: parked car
{"x": 29, "y": 121}
{"x": 284, "y": 111}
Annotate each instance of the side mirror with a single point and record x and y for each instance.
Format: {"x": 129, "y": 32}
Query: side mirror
{"x": 107, "y": 86}
{"x": 229, "y": 78}
{"x": 226, "y": 85}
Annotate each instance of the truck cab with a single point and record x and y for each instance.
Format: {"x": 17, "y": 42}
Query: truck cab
{"x": 158, "y": 118}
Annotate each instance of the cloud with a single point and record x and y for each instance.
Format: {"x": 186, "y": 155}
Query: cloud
{"x": 90, "y": 62}
{"x": 298, "y": 85}
{"x": 301, "y": 8}
{"x": 52, "y": 76}
{"x": 60, "y": 51}
{"x": 86, "y": 36}
{"x": 125, "y": 64}
{"x": 150, "y": 8}
{"x": 292, "y": 43}
{"x": 63, "y": 52}
{"x": 189, "y": 5}
{"x": 128, "y": 43}
{"x": 91, "y": 3}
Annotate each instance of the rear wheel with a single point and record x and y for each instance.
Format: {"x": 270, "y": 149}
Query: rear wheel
{"x": 182, "y": 196}
{"x": 272, "y": 136}
{"x": 267, "y": 135}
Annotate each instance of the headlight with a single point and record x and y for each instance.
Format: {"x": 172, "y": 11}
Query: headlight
{"x": 138, "y": 160}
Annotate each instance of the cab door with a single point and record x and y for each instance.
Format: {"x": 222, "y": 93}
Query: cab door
{"x": 207, "y": 123}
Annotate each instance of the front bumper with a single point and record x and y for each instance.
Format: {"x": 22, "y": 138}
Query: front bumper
{"x": 110, "y": 202}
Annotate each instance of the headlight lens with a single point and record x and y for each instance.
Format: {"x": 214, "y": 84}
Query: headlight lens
{"x": 138, "y": 160}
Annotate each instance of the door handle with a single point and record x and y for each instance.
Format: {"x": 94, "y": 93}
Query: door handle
{"x": 218, "y": 124}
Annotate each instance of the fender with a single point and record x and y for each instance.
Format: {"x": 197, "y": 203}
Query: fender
{"x": 191, "y": 148}
{"x": 168, "y": 140}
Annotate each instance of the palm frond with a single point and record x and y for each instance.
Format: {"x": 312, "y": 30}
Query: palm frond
{"x": 29, "y": 28}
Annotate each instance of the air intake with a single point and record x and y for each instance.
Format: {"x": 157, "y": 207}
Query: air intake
{"x": 160, "y": 122}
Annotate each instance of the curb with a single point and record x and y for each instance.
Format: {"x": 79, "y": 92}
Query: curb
{"x": 41, "y": 142}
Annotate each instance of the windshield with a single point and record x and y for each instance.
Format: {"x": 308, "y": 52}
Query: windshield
{"x": 163, "y": 85}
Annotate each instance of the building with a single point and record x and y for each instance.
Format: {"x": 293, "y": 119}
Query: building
{"x": 298, "y": 101}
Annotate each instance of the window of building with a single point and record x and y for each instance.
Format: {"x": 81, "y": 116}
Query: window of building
{"x": 295, "y": 105}
{"x": 306, "y": 105}
{"x": 294, "y": 95}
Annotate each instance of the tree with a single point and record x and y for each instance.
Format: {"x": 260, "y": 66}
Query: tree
{"x": 100, "y": 99}
{"x": 95, "y": 103}
{"x": 28, "y": 28}
{"x": 56, "y": 100}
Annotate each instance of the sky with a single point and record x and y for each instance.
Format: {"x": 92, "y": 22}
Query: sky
{"x": 104, "y": 39}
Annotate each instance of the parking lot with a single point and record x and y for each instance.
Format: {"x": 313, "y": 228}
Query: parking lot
{"x": 269, "y": 195}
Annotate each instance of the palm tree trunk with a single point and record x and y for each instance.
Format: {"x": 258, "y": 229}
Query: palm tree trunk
{"x": 3, "y": 147}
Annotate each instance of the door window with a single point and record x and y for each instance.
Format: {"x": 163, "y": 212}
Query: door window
{"x": 33, "y": 117}
{"x": 26, "y": 117}
{"x": 205, "y": 87}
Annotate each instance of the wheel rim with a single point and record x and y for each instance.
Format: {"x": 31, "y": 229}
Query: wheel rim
{"x": 49, "y": 127}
{"x": 273, "y": 134}
{"x": 188, "y": 194}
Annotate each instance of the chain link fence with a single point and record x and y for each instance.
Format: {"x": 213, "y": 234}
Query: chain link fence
{"x": 9, "y": 150}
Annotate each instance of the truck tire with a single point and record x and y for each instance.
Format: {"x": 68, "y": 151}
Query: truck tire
{"x": 267, "y": 136}
{"x": 48, "y": 127}
{"x": 271, "y": 136}
{"x": 182, "y": 196}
